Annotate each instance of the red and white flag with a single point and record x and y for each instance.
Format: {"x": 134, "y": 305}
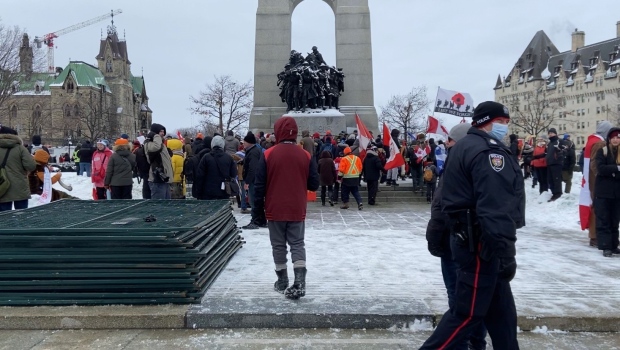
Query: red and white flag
{"x": 585, "y": 200}
{"x": 435, "y": 127}
{"x": 363, "y": 135}
{"x": 180, "y": 137}
{"x": 396, "y": 159}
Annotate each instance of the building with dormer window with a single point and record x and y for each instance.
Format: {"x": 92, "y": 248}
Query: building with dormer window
{"x": 79, "y": 101}
{"x": 574, "y": 90}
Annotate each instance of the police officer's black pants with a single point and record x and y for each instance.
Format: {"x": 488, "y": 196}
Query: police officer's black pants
{"x": 480, "y": 296}
{"x": 554, "y": 177}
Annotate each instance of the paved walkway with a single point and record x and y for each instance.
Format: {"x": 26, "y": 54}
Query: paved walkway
{"x": 272, "y": 339}
{"x": 381, "y": 253}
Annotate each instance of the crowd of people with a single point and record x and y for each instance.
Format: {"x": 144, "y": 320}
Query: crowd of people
{"x": 477, "y": 194}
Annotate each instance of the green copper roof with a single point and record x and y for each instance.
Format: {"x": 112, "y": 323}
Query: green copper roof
{"x": 84, "y": 74}
{"x": 28, "y": 85}
{"x": 138, "y": 84}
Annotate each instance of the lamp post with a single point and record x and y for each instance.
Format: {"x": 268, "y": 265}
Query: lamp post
{"x": 69, "y": 142}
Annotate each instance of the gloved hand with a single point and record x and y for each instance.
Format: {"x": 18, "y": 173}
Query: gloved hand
{"x": 150, "y": 136}
{"x": 507, "y": 268}
{"x": 436, "y": 250}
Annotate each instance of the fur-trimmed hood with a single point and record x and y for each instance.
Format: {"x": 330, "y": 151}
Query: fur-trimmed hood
{"x": 123, "y": 150}
{"x": 10, "y": 141}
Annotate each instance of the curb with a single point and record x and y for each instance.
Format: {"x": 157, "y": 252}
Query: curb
{"x": 256, "y": 313}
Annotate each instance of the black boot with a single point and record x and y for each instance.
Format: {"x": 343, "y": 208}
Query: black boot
{"x": 282, "y": 282}
{"x": 298, "y": 289}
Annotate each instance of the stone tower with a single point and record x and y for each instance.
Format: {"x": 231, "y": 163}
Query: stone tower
{"x": 353, "y": 54}
{"x": 113, "y": 62}
{"x": 25, "y": 56}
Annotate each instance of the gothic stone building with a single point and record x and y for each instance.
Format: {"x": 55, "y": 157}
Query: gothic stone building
{"x": 80, "y": 101}
{"x": 578, "y": 88}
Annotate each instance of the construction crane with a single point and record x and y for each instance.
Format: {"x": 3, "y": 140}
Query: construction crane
{"x": 48, "y": 39}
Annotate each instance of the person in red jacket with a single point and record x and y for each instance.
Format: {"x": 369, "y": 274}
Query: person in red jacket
{"x": 539, "y": 163}
{"x": 285, "y": 174}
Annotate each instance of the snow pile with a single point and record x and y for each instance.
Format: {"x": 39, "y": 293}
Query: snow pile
{"x": 545, "y": 330}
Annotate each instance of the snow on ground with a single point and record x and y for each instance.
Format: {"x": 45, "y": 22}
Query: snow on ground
{"x": 381, "y": 252}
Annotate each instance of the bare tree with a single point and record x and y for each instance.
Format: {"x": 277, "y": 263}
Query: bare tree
{"x": 535, "y": 111}
{"x": 407, "y": 112}
{"x": 225, "y": 103}
{"x": 11, "y": 40}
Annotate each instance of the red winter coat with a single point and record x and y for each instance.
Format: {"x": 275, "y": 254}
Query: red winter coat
{"x": 540, "y": 161}
{"x": 285, "y": 173}
{"x": 99, "y": 166}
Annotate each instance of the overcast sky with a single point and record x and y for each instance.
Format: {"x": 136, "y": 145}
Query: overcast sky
{"x": 182, "y": 45}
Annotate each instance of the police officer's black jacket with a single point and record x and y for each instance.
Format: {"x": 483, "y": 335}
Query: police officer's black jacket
{"x": 482, "y": 175}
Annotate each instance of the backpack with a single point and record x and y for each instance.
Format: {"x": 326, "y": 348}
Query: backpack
{"x": 4, "y": 178}
{"x": 188, "y": 169}
{"x": 328, "y": 147}
{"x": 428, "y": 174}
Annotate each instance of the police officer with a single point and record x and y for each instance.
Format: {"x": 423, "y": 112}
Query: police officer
{"x": 483, "y": 196}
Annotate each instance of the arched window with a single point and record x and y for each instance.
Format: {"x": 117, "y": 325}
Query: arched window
{"x": 36, "y": 119}
{"x": 108, "y": 65}
{"x": 76, "y": 111}
{"x": 67, "y": 111}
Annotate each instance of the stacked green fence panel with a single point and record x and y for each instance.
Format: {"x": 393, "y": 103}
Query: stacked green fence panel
{"x": 112, "y": 252}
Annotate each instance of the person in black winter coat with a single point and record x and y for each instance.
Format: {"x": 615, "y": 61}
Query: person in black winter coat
{"x": 607, "y": 194}
{"x": 371, "y": 173}
{"x": 204, "y": 149}
{"x": 214, "y": 169}
{"x": 514, "y": 147}
{"x": 86, "y": 157}
{"x": 438, "y": 239}
{"x": 568, "y": 166}
{"x": 327, "y": 176}
{"x": 198, "y": 144}
{"x": 555, "y": 160}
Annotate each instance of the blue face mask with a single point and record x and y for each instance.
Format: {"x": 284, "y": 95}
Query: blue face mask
{"x": 499, "y": 131}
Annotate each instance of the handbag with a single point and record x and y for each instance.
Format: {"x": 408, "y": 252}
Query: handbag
{"x": 4, "y": 178}
{"x": 230, "y": 185}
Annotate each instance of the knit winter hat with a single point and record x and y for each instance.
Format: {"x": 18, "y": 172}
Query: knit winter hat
{"x": 316, "y": 135}
{"x": 125, "y": 136}
{"x": 552, "y": 130}
{"x": 250, "y": 138}
{"x": 459, "y": 131}
{"x": 7, "y": 130}
{"x": 347, "y": 150}
{"x": 41, "y": 156}
{"x": 485, "y": 112}
{"x": 218, "y": 141}
{"x": 603, "y": 128}
{"x": 121, "y": 141}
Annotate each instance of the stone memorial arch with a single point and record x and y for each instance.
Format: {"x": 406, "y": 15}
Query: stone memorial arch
{"x": 353, "y": 54}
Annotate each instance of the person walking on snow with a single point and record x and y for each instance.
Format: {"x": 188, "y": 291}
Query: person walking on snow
{"x": 285, "y": 173}
{"x": 328, "y": 176}
{"x": 119, "y": 170}
{"x": 483, "y": 194}
{"x": 101, "y": 157}
{"x": 350, "y": 169}
{"x": 438, "y": 238}
{"x": 555, "y": 160}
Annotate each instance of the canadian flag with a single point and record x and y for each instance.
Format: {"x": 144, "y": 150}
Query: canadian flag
{"x": 585, "y": 200}
{"x": 179, "y": 136}
{"x": 435, "y": 127}
{"x": 363, "y": 135}
{"x": 396, "y": 159}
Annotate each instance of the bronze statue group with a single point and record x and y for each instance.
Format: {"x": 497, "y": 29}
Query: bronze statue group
{"x": 309, "y": 83}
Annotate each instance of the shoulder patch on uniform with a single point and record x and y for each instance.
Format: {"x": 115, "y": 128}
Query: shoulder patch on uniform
{"x": 493, "y": 142}
{"x": 497, "y": 161}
